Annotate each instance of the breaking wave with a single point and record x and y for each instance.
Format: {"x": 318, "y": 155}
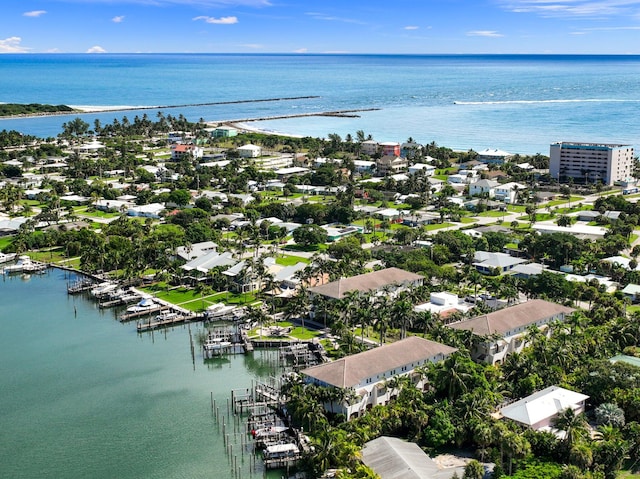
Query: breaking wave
{"x": 532, "y": 102}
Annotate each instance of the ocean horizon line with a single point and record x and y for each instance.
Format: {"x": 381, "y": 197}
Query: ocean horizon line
{"x": 328, "y": 54}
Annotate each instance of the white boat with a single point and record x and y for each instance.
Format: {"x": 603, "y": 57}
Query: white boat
{"x": 166, "y": 315}
{"x": 281, "y": 451}
{"x": 271, "y": 431}
{"x": 103, "y": 288}
{"x": 144, "y": 304}
{"x": 220, "y": 311}
{"x": 23, "y": 264}
{"x": 216, "y": 344}
{"x": 5, "y": 258}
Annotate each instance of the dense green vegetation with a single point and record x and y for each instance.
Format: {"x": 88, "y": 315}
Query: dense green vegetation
{"x": 13, "y": 109}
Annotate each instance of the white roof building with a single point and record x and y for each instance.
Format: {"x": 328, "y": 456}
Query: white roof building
{"x": 538, "y": 410}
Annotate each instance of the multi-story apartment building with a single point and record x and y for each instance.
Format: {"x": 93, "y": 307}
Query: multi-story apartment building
{"x": 591, "y": 162}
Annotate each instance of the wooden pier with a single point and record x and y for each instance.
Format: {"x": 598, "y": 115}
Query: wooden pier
{"x": 122, "y": 300}
{"x": 155, "y": 323}
{"x": 80, "y": 286}
{"x": 138, "y": 314}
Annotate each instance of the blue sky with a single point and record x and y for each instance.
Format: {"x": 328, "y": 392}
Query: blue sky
{"x": 320, "y": 26}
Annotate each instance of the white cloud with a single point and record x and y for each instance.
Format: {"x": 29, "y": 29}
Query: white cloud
{"x": 118, "y": 19}
{"x": 253, "y": 46}
{"x": 484, "y": 33}
{"x": 574, "y": 8}
{"x": 96, "y": 49}
{"x": 331, "y": 18}
{"x": 218, "y": 21}
{"x": 411, "y": 27}
{"x": 301, "y": 50}
{"x": 34, "y": 13}
{"x": 12, "y": 45}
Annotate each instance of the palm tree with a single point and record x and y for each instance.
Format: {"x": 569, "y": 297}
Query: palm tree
{"x": 574, "y": 425}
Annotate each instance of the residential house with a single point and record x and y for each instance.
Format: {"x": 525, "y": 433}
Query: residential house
{"x": 181, "y": 150}
{"x": 151, "y": 210}
{"x": 224, "y": 132}
{"x": 503, "y": 332}
{"x": 494, "y": 156}
{"x": 285, "y": 173}
{"x": 410, "y": 149}
{"x": 201, "y": 265}
{"x": 393, "y": 279}
{"x": 390, "y": 148}
{"x": 539, "y": 410}
{"x": 393, "y": 458}
{"x": 484, "y": 188}
{"x": 426, "y": 168}
{"x": 508, "y": 192}
{"x": 195, "y": 250}
{"x": 443, "y": 303}
{"x": 490, "y": 263}
{"x": 369, "y": 147}
{"x": 366, "y": 374}
{"x": 632, "y": 291}
{"x": 390, "y": 164}
{"x": 336, "y": 232}
{"x": 249, "y": 151}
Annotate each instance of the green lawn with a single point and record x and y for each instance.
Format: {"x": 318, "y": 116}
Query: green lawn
{"x": 491, "y": 214}
{"x": 4, "y": 242}
{"x": 562, "y": 201}
{"x": 437, "y": 226}
{"x": 466, "y": 220}
{"x": 290, "y": 260}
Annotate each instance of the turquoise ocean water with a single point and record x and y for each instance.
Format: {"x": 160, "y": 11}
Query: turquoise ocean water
{"x": 519, "y": 103}
{"x": 84, "y": 396}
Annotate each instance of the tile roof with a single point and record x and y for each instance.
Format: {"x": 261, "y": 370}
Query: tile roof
{"x": 366, "y": 282}
{"x": 351, "y": 370}
{"x": 507, "y": 319}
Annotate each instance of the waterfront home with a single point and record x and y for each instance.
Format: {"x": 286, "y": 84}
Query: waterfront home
{"x": 539, "y": 410}
{"x": 503, "y": 332}
{"x": 365, "y": 377}
{"x": 201, "y": 265}
{"x": 389, "y": 280}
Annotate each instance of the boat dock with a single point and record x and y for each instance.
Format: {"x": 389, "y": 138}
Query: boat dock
{"x": 170, "y": 319}
{"x": 120, "y": 300}
{"x": 138, "y": 314}
{"x": 80, "y": 286}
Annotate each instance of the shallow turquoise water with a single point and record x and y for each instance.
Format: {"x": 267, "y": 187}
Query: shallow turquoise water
{"x": 83, "y": 396}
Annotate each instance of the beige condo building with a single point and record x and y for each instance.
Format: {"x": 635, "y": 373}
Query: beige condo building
{"x": 591, "y": 162}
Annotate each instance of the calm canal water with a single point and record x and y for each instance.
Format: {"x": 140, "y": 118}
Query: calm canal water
{"x": 84, "y": 396}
